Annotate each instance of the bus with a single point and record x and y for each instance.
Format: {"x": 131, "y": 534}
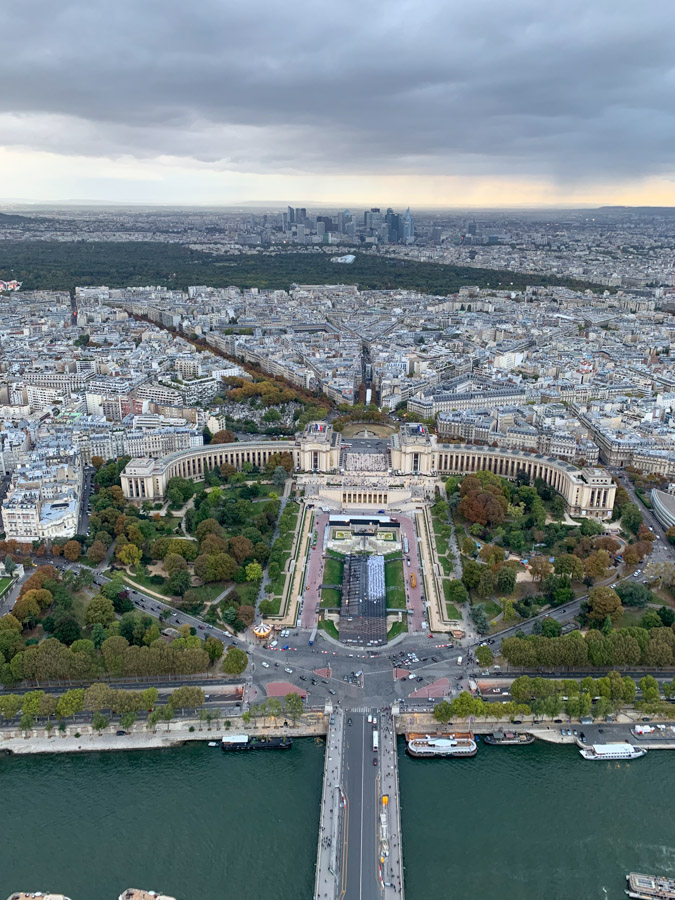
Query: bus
{"x": 376, "y": 740}
{"x": 413, "y": 580}
{"x": 312, "y": 637}
{"x": 405, "y": 544}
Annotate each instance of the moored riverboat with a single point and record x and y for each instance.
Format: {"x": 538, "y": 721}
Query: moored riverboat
{"x": 508, "y": 738}
{"x": 441, "y": 746}
{"x": 249, "y": 742}
{"x": 140, "y": 894}
{"x": 650, "y": 887}
{"x": 612, "y": 751}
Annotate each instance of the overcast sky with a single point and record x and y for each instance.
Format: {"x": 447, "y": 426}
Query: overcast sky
{"x": 481, "y": 102}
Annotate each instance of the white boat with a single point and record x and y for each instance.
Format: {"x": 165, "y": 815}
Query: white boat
{"x": 612, "y": 751}
{"x": 442, "y": 746}
{"x": 213, "y": 743}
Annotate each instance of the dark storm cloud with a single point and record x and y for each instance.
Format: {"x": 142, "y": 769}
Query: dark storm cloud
{"x": 569, "y": 89}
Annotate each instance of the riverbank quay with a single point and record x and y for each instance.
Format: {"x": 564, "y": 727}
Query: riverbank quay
{"x": 84, "y": 738}
{"x": 550, "y": 732}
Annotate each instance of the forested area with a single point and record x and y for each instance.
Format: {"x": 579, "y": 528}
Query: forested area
{"x": 56, "y": 265}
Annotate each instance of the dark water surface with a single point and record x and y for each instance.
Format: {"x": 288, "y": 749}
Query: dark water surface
{"x": 525, "y": 823}
{"x": 534, "y": 823}
{"x": 191, "y": 821}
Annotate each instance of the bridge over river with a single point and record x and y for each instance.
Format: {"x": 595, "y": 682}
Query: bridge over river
{"x": 359, "y": 854}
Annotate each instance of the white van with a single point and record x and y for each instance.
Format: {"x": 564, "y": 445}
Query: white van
{"x": 459, "y": 660}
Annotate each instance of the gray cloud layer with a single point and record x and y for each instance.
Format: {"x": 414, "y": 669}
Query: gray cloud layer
{"x": 571, "y": 89}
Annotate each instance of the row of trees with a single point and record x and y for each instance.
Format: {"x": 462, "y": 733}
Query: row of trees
{"x": 272, "y": 708}
{"x": 623, "y": 647}
{"x": 51, "y": 660}
{"x": 597, "y": 696}
{"x": 98, "y": 699}
{"x": 548, "y": 697}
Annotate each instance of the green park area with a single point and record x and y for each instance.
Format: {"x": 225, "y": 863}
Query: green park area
{"x": 4, "y": 585}
{"x": 394, "y": 583}
{"x": 52, "y": 265}
{"x": 442, "y": 534}
{"x": 332, "y": 575}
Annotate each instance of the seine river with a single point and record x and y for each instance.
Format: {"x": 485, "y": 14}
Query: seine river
{"x": 530, "y": 823}
{"x": 534, "y": 823}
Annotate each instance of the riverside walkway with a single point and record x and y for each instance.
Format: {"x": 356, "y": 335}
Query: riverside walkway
{"x": 359, "y": 855}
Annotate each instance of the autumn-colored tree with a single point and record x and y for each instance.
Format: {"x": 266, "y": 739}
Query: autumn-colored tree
{"x": 596, "y": 564}
{"x": 240, "y": 548}
{"x": 97, "y": 552}
{"x": 246, "y": 613}
{"x": 97, "y": 462}
{"x": 569, "y": 564}
{"x": 72, "y": 550}
{"x": 38, "y": 578}
{"x": 603, "y": 602}
{"x": 540, "y": 567}
{"x": 26, "y": 609}
{"x": 129, "y": 554}
{"x": 630, "y": 556}
{"x": 483, "y": 507}
{"x": 43, "y": 598}
{"x": 223, "y": 437}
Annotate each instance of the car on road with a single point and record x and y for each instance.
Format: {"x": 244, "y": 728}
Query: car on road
{"x": 349, "y": 721}
{"x": 420, "y": 678}
{"x": 120, "y": 733}
{"x": 303, "y": 678}
{"x": 288, "y": 669}
{"x": 265, "y": 665}
{"x": 374, "y": 760}
{"x": 331, "y": 691}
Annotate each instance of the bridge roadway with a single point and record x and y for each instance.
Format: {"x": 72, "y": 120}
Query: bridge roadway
{"x": 359, "y": 854}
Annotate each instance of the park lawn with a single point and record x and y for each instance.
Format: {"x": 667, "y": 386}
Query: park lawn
{"x": 247, "y": 592}
{"x": 330, "y": 628}
{"x": 330, "y": 598}
{"x": 80, "y": 602}
{"x": 333, "y": 571}
{"x": 631, "y": 617}
{"x": 442, "y": 544}
{"x": 145, "y": 582}
{"x": 276, "y": 605}
{"x": 394, "y": 584}
{"x": 207, "y": 592}
{"x": 447, "y": 566}
{"x": 491, "y": 608}
{"x": 4, "y": 585}
{"x": 396, "y": 629}
{"x": 453, "y": 612}
{"x": 278, "y": 584}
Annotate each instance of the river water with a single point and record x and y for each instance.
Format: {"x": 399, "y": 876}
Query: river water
{"x": 534, "y": 823}
{"x": 526, "y": 823}
{"x": 192, "y": 821}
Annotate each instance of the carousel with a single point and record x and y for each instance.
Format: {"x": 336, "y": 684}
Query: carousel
{"x": 262, "y": 631}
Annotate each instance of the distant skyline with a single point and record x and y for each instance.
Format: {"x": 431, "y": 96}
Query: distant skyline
{"x": 434, "y": 103}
